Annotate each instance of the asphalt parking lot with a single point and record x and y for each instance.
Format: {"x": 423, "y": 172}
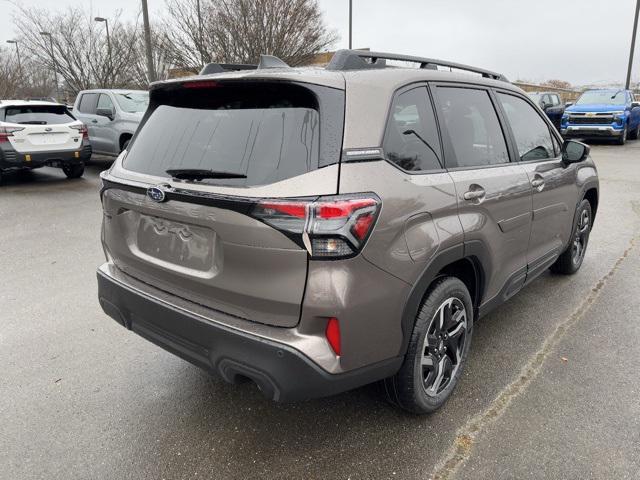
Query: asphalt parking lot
{"x": 551, "y": 390}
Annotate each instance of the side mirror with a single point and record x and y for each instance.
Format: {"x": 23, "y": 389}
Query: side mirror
{"x": 573, "y": 152}
{"x": 544, "y": 105}
{"x": 568, "y": 104}
{"x": 105, "y": 112}
{"x": 635, "y": 104}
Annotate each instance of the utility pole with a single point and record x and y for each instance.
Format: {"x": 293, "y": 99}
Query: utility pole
{"x": 151, "y": 73}
{"x": 633, "y": 45}
{"x": 350, "y": 24}
{"x": 53, "y": 59}
{"x": 201, "y": 35}
{"x": 15, "y": 42}
{"x": 106, "y": 24}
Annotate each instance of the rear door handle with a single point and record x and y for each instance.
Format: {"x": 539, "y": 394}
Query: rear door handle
{"x": 94, "y": 121}
{"x": 475, "y": 194}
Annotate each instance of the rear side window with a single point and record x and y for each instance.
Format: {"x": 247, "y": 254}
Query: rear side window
{"x": 411, "y": 137}
{"x": 38, "y": 115}
{"x": 268, "y": 132}
{"x": 473, "y": 127}
{"x": 88, "y": 103}
{"x": 532, "y": 134}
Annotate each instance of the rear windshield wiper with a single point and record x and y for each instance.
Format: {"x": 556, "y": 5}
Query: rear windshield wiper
{"x": 199, "y": 174}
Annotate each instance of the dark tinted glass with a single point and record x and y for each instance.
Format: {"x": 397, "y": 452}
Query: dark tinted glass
{"x": 88, "y": 103}
{"x": 532, "y": 134}
{"x": 473, "y": 127}
{"x": 38, "y": 115}
{"x": 411, "y": 138}
{"x": 269, "y": 134}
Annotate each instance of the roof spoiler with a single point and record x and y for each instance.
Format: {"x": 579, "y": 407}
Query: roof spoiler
{"x": 364, "y": 60}
{"x": 266, "y": 61}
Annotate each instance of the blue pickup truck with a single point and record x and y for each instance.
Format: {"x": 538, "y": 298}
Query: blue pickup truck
{"x": 607, "y": 113}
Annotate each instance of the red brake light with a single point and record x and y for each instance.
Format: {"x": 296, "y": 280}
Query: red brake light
{"x": 201, "y": 84}
{"x": 294, "y": 209}
{"x": 82, "y": 129}
{"x": 336, "y": 226}
{"x": 332, "y": 332}
{"x": 6, "y": 132}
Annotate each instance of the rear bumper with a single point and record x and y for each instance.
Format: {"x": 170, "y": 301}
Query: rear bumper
{"x": 281, "y": 372}
{"x": 590, "y": 131}
{"x": 11, "y": 159}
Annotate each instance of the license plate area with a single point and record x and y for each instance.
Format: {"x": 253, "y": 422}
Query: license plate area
{"x": 177, "y": 246}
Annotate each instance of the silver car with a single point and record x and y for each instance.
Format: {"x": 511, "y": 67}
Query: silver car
{"x": 111, "y": 116}
{"x": 314, "y": 230}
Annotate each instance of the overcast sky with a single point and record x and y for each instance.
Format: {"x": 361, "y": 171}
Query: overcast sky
{"x": 581, "y": 41}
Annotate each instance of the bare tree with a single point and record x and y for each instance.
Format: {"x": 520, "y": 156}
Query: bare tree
{"x": 240, "y": 30}
{"x": 9, "y": 78}
{"x": 161, "y": 60}
{"x": 558, "y": 84}
{"x": 77, "y": 47}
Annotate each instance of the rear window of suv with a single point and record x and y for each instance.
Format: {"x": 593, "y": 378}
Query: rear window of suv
{"x": 37, "y": 115}
{"x": 266, "y": 131}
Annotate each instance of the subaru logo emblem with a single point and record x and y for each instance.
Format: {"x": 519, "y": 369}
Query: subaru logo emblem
{"x": 157, "y": 193}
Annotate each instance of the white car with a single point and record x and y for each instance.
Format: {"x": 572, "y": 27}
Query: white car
{"x": 35, "y": 134}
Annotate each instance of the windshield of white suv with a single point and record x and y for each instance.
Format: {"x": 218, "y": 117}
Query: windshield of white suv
{"x": 603, "y": 97}
{"x": 133, "y": 102}
{"x": 37, "y": 115}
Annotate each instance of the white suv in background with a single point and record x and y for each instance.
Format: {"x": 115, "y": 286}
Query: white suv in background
{"x": 35, "y": 134}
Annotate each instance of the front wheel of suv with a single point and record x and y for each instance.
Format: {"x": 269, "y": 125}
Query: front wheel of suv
{"x": 622, "y": 139}
{"x": 73, "y": 171}
{"x": 437, "y": 349}
{"x": 570, "y": 261}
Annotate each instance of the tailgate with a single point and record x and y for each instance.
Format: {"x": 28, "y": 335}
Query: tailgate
{"x": 216, "y": 257}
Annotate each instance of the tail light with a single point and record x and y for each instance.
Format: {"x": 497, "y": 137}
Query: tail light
{"x": 82, "y": 129}
{"x": 330, "y": 227}
{"x": 6, "y": 132}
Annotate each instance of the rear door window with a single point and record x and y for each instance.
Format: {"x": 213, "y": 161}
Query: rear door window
{"x": 38, "y": 115}
{"x": 88, "y": 103}
{"x": 267, "y": 132}
{"x": 531, "y": 132}
{"x": 473, "y": 127}
{"x": 411, "y": 137}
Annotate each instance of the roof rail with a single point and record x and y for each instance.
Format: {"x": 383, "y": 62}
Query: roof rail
{"x": 266, "y": 61}
{"x": 362, "y": 60}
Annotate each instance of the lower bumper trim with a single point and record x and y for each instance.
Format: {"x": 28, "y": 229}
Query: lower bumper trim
{"x": 281, "y": 372}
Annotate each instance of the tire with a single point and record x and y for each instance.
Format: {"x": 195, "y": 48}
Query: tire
{"x": 73, "y": 171}
{"x": 428, "y": 375}
{"x": 570, "y": 261}
{"x": 125, "y": 145}
{"x": 622, "y": 139}
{"x": 635, "y": 134}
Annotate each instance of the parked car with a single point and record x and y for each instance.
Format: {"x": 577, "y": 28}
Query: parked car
{"x": 607, "y": 113}
{"x": 112, "y": 117}
{"x": 551, "y": 104}
{"x": 35, "y": 134}
{"x": 317, "y": 230}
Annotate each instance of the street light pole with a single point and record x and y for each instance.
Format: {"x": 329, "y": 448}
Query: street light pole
{"x": 53, "y": 59}
{"x": 633, "y": 45}
{"x": 147, "y": 42}
{"x": 15, "y": 42}
{"x": 200, "y": 33}
{"x": 106, "y": 24}
{"x": 350, "y": 23}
